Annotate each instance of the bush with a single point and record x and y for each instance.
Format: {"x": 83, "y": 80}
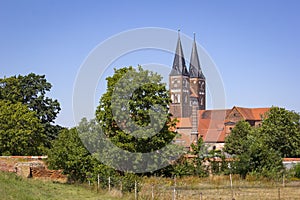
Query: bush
{"x": 297, "y": 170}
{"x": 128, "y": 182}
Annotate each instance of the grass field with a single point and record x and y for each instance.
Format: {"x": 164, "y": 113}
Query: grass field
{"x": 14, "y": 187}
{"x": 189, "y": 188}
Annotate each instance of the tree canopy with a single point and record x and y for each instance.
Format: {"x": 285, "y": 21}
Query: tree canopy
{"x": 281, "y": 131}
{"x": 133, "y": 116}
{"x": 234, "y": 143}
{"x": 68, "y": 153}
{"x": 261, "y": 149}
{"x": 127, "y": 108}
{"x": 21, "y": 133}
{"x": 30, "y": 90}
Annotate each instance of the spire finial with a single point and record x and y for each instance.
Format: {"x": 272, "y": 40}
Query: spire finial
{"x": 179, "y": 32}
{"x": 194, "y": 36}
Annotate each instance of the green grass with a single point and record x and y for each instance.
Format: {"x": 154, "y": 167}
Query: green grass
{"x": 217, "y": 187}
{"x": 14, "y": 187}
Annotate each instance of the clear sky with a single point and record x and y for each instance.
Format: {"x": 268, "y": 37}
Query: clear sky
{"x": 255, "y": 44}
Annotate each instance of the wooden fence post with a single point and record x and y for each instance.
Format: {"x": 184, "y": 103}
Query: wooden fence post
{"x": 174, "y": 189}
{"x": 98, "y": 181}
{"x": 152, "y": 191}
{"x": 108, "y": 183}
{"x": 135, "y": 190}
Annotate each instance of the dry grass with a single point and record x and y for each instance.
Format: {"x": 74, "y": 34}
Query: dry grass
{"x": 218, "y": 187}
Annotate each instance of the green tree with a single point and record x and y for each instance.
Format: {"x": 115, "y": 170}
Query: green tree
{"x": 21, "y": 133}
{"x": 296, "y": 170}
{"x": 201, "y": 153}
{"x": 31, "y": 91}
{"x": 281, "y": 131}
{"x": 138, "y": 106}
{"x": 234, "y": 143}
{"x": 133, "y": 115}
{"x": 258, "y": 158}
{"x": 252, "y": 152}
{"x": 69, "y": 154}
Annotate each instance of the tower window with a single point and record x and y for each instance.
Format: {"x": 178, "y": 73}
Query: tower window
{"x": 175, "y": 98}
{"x": 202, "y": 86}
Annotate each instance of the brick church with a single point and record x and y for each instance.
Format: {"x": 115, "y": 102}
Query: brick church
{"x": 188, "y": 94}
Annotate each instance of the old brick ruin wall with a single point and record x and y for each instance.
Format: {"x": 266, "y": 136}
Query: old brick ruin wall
{"x": 31, "y": 167}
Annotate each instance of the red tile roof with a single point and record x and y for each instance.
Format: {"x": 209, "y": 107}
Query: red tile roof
{"x": 184, "y": 123}
{"x": 252, "y": 113}
{"x": 211, "y": 124}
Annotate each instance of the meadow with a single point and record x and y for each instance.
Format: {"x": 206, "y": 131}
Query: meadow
{"x": 216, "y": 187}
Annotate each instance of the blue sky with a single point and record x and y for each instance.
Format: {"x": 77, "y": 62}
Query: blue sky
{"x": 255, "y": 44}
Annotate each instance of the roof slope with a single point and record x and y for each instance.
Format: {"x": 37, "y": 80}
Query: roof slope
{"x": 211, "y": 124}
{"x": 252, "y": 113}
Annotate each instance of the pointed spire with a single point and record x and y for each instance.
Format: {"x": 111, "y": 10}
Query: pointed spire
{"x": 195, "y": 68}
{"x": 179, "y": 67}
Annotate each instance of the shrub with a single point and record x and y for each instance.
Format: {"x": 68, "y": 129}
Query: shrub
{"x": 297, "y": 170}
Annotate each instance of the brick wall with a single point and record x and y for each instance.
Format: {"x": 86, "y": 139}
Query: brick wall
{"x": 31, "y": 167}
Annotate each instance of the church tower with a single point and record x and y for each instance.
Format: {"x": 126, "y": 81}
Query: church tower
{"x": 197, "y": 80}
{"x": 179, "y": 83}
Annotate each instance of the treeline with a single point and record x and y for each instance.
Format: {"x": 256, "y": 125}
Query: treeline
{"x": 133, "y": 116}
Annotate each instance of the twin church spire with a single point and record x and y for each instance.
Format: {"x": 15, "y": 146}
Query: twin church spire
{"x": 179, "y": 65}
{"x": 187, "y": 87}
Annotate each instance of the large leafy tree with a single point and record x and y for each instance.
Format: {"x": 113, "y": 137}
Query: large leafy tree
{"x": 21, "y": 133}
{"x": 234, "y": 143}
{"x": 251, "y": 151}
{"x": 281, "y": 131}
{"x": 119, "y": 116}
{"x": 31, "y": 90}
{"x": 133, "y": 116}
{"x": 257, "y": 157}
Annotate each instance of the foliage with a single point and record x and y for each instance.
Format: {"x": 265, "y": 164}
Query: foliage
{"x": 297, "y": 170}
{"x": 69, "y": 154}
{"x": 251, "y": 152}
{"x": 281, "y": 131}
{"x": 182, "y": 167}
{"x": 137, "y": 105}
{"x": 134, "y": 112}
{"x": 235, "y": 142}
{"x": 258, "y": 158}
{"x": 217, "y": 162}
{"x": 128, "y": 182}
{"x": 200, "y": 151}
{"x": 30, "y": 90}
{"x": 21, "y": 133}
